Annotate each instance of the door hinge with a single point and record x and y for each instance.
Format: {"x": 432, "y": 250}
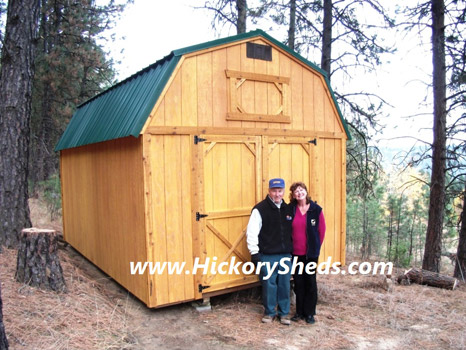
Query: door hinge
{"x": 199, "y": 216}
{"x": 313, "y": 141}
{"x": 201, "y": 288}
{"x": 198, "y": 139}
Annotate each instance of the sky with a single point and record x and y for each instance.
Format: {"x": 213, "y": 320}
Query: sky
{"x": 151, "y": 29}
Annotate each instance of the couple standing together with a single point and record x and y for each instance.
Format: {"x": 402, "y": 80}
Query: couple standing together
{"x": 277, "y": 230}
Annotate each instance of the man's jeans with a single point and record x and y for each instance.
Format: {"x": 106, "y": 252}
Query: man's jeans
{"x": 276, "y": 289}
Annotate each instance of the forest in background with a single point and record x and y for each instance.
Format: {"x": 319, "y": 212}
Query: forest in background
{"x": 401, "y": 213}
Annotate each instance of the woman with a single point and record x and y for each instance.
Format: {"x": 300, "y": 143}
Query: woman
{"x": 308, "y": 230}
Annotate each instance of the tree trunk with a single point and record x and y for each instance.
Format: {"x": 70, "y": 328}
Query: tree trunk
{"x": 292, "y": 27}
{"x": 365, "y": 234}
{"x": 397, "y": 258}
{"x": 3, "y": 339}
{"x": 38, "y": 264}
{"x": 242, "y": 7}
{"x": 43, "y": 162}
{"x": 44, "y": 131}
{"x": 428, "y": 278}
{"x": 16, "y": 75}
{"x": 411, "y": 233}
{"x": 420, "y": 245}
{"x": 390, "y": 235}
{"x": 460, "y": 266}
{"x": 433, "y": 246}
{"x": 327, "y": 37}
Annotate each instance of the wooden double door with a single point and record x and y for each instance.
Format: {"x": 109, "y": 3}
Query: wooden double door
{"x": 233, "y": 177}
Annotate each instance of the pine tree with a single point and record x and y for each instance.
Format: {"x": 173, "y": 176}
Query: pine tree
{"x": 433, "y": 247}
{"x": 447, "y": 22}
{"x": 71, "y": 68}
{"x": 460, "y": 265}
{"x": 16, "y": 77}
{"x": 3, "y": 339}
{"x": 364, "y": 196}
{"x": 231, "y": 12}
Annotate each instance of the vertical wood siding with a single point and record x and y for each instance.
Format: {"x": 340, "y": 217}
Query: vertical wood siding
{"x": 231, "y": 185}
{"x": 103, "y": 198}
{"x": 136, "y": 199}
{"x": 198, "y": 94}
{"x": 205, "y": 101}
{"x": 168, "y": 184}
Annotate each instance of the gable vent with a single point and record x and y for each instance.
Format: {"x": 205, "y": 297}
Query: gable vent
{"x": 260, "y": 52}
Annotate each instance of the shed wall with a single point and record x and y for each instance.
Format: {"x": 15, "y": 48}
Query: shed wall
{"x": 198, "y": 100}
{"x": 200, "y": 93}
{"x": 322, "y": 168}
{"x": 224, "y": 176}
{"x": 168, "y": 168}
{"x": 136, "y": 199}
{"x": 103, "y": 207}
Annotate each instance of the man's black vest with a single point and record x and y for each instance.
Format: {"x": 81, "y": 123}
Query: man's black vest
{"x": 275, "y": 234}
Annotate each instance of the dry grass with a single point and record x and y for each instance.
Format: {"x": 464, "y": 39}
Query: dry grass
{"x": 86, "y": 317}
{"x": 83, "y": 318}
{"x": 352, "y": 315}
{"x": 354, "y": 312}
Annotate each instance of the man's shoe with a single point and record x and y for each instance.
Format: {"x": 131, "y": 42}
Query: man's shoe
{"x": 297, "y": 317}
{"x": 285, "y": 320}
{"x": 310, "y": 320}
{"x": 267, "y": 319}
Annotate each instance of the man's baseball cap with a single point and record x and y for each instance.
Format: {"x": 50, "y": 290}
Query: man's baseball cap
{"x": 277, "y": 183}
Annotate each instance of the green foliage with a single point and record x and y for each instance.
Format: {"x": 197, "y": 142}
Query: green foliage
{"x": 71, "y": 67}
{"x": 365, "y": 214}
{"x": 453, "y": 209}
{"x": 50, "y": 190}
{"x": 400, "y": 251}
{"x": 386, "y": 213}
{"x": 407, "y": 209}
{"x": 365, "y": 223}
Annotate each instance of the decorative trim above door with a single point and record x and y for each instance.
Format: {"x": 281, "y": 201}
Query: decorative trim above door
{"x": 236, "y": 111}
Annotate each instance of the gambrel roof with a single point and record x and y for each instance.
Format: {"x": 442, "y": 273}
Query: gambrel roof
{"x": 123, "y": 109}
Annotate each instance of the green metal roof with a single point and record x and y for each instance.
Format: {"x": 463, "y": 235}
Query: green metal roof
{"x": 123, "y": 109}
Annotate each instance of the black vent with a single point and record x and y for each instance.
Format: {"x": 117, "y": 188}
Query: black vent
{"x": 260, "y": 52}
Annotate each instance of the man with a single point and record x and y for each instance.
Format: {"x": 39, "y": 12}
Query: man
{"x": 269, "y": 242}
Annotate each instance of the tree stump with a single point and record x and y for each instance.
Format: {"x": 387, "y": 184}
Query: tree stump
{"x": 428, "y": 278}
{"x": 38, "y": 264}
{"x": 3, "y": 339}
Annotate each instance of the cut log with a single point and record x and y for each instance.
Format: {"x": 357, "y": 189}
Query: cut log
{"x": 38, "y": 264}
{"x": 428, "y": 278}
{"x": 3, "y": 339}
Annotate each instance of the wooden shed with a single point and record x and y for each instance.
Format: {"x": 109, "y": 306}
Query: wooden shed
{"x": 166, "y": 165}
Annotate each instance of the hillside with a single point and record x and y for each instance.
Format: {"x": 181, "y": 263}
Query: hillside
{"x": 354, "y": 312}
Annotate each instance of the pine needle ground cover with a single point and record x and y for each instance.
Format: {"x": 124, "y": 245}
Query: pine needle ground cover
{"x": 354, "y": 312}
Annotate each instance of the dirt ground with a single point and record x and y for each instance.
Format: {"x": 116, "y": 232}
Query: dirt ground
{"x": 354, "y": 312}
